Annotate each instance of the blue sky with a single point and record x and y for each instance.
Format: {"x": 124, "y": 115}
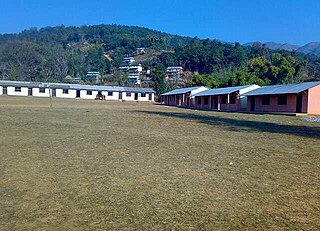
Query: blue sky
{"x": 291, "y": 21}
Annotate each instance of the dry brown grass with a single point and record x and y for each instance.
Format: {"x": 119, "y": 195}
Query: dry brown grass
{"x": 92, "y": 165}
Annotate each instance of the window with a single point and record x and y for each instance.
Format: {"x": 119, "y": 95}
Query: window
{"x": 206, "y": 100}
{"x": 143, "y": 94}
{"x": 128, "y": 94}
{"x": 282, "y": 100}
{"x": 223, "y": 99}
{"x": 17, "y": 89}
{"x": 110, "y": 93}
{"x": 265, "y": 100}
{"x": 233, "y": 99}
{"x": 65, "y": 91}
{"x": 89, "y": 92}
{"x": 42, "y": 90}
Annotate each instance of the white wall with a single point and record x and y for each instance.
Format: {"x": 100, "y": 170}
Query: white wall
{"x": 1, "y": 90}
{"x": 36, "y": 92}
{"x": 243, "y": 99}
{"x": 249, "y": 88}
{"x": 146, "y": 98}
{"x": 11, "y": 91}
{"x": 127, "y": 98}
{"x": 198, "y": 90}
{"x": 131, "y": 98}
{"x": 114, "y": 96}
{"x": 72, "y": 93}
{"x": 83, "y": 94}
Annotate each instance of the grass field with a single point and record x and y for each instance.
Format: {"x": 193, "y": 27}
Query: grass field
{"x": 93, "y": 165}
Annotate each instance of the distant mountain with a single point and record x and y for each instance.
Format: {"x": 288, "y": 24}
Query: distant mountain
{"x": 310, "y": 48}
{"x": 278, "y": 46}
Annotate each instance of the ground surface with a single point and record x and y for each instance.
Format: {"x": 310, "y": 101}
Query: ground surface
{"x": 92, "y": 165}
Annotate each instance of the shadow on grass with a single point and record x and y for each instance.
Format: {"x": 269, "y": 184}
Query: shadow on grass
{"x": 244, "y": 125}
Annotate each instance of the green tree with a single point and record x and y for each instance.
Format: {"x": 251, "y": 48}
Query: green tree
{"x": 158, "y": 79}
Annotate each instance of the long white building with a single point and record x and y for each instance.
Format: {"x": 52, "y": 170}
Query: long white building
{"x": 72, "y": 91}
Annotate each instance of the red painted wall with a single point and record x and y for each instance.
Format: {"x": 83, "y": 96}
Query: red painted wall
{"x": 177, "y": 100}
{"x": 291, "y": 105}
{"x": 221, "y": 107}
{"x": 314, "y": 100}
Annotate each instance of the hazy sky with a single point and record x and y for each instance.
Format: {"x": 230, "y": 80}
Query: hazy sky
{"x": 291, "y": 21}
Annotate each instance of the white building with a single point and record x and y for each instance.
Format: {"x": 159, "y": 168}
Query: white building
{"x": 72, "y": 91}
{"x": 66, "y": 93}
{"x": 174, "y": 73}
{"x": 40, "y": 92}
{"x": 134, "y": 78}
{"x": 134, "y": 71}
{"x": 136, "y": 68}
{"x": 128, "y": 60}
{"x": 174, "y": 70}
{"x": 141, "y": 50}
{"x": 18, "y": 91}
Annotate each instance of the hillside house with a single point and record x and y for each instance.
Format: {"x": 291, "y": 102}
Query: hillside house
{"x": 93, "y": 77}
{"x": 134, "y": 71}
{"x": 140, "y": 50}
{"x": 174, "y": 74}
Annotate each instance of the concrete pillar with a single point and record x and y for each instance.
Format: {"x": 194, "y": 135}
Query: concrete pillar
{"x": 228, "y": 102}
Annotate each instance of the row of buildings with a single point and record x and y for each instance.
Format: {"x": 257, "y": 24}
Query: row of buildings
{"x": 288, "y": 98}
{"x": 60, "y": 90}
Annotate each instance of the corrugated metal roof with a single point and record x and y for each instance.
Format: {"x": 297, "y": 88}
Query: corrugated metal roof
{"x": 181, "y": 91}
{"x": 282, "y": 89}
{"x": 76, "y": 86}
{"x": 18, "y": 83}
{"x": 221, "y": 91}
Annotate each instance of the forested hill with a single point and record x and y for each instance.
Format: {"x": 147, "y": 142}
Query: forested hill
{"x": 109, "y": 36}
{"x": 51, "y": 53}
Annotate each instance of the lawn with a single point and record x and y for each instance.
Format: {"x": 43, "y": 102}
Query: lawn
{"x": 93, "y": 165}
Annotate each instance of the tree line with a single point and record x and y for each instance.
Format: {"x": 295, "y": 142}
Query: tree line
{"x": 51, "y": 53}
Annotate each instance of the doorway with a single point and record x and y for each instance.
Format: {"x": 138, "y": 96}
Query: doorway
{"x": 299, "y": 103}
{"x": 4, "y": 90}
{"x": 252, "y": 103}
{"x": 214, "y": 102}
{"x": 78, "y": 94}
{"x": 135, "y": 96}
{"x": 30, "y": 92}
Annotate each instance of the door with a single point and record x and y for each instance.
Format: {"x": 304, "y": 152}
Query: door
{"x": 188, "y": 100}
{"x": 215, "y": 102}
{"x": 78, "y": 94}
{"x": 299, "y": 103}
{"x": 29, "y": 91}
{"x": 53, "y": 92}
{"x": 4, "y": 90}
{"x": 135, "y": 96}
{"x": 120, "y": 95}
{"x": 252, "y": 103}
